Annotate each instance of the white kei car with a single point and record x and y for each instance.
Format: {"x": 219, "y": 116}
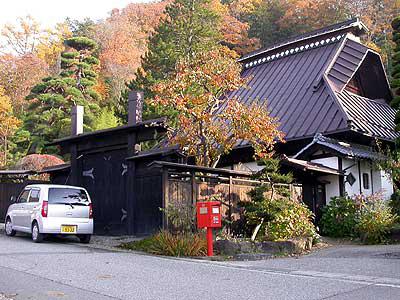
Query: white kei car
{"x": 45, "y": 209}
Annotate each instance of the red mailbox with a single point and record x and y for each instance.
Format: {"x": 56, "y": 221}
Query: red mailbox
{"x": 209, "y": 216}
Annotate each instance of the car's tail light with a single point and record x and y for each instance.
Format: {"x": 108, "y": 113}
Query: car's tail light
{"x": 90, "y": 211}
{"x": 45, "y": 209}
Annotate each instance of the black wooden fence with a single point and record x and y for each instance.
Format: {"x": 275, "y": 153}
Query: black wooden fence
{"x": 12, "y": 188}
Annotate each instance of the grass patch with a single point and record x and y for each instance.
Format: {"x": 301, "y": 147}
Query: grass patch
{"x": 166, "y": 243}
{"x": 140, "y": 245}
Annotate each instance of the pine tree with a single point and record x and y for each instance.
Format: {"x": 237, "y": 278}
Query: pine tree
{"x": 396, "y": 70}
{"x": 189, "y": 27}
{"x": 49, "y": 111}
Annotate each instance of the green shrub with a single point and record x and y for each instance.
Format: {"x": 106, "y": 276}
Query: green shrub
{"x": 169, "y": 244}
{"x": 367, "y": 217}
{"x": 278, "y": 218}
{"x": 339, "y": 217}
{"x": 375, "y": 220}
{"x": 394, "y": 202}
{"x": 290, "y": 219}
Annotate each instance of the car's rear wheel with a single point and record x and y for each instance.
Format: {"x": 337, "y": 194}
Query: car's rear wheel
{"x": 8, "y": 228}
{"x": 37, "y": 237}
{"x": 84, "y": 238}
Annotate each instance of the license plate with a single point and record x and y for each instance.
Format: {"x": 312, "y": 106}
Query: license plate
{"x": 68, "y": 229}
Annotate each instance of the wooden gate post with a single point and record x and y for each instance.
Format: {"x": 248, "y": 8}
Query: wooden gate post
{"x": 230, "y": 204}
{"x": 165, "y": 196}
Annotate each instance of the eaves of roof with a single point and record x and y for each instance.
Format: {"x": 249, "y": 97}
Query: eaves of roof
{"x": 309, "y": 166}
{"x": 345, "y": 149}
{"x": 346, "y": 26}
{"x": 160, "y": 122}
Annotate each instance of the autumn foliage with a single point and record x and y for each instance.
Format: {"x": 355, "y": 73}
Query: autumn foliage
{"x": 8, "y": 125}
{"x": 140, "y": 46}
{"x": 37, "y": 162}
{"x": 209, "y": 123}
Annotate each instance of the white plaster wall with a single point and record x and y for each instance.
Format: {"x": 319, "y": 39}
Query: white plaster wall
{"x": 387, "y": 185}
{"x": 384, "y": 184}
{"x": 331, "y": 162}
{"x": 248, "y": 166}
{"x": 351, "y": 166}
{"x": 331, "y": 188}
{"x": 380, "y": 181}
{"x": 377, "y": 180}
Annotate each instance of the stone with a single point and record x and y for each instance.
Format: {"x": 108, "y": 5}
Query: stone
{"x": 227, "y": 247}
{"x": 247, "y": 247}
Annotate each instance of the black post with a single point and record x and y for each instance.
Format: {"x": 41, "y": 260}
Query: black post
{"x": 76, "y": 129}
{"x": 135, "y": 107}
{"x": 359, "y": 175}
{"x": 131, "y": 196}
{"x": 341, "y": 177}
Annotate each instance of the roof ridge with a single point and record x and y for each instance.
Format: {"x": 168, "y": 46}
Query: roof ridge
{"x": 323, "y": 138}
{"x": 352, "y": 23}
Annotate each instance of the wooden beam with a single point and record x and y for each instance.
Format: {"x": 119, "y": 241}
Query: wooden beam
{"x": 193, "y": 185}
{"x": 165, "y": 200}
{"x": 359, "y": 174}
{"x": 74, "y": 176}
{"x": 131, "y": 193}
{"x": 341, "y": 178}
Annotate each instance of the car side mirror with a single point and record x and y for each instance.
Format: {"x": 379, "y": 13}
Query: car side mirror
{"x": 13, "y": 199}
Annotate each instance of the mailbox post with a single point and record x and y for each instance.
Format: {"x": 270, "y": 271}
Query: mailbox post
{"x": 209, "y": 216}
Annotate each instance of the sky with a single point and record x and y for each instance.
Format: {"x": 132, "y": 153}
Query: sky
{"x": 50, "y": 12}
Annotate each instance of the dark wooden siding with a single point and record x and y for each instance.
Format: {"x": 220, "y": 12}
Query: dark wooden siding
{"x": 104, "y": 176}
{"x": 148, "y": 216}
{"x": 8, "y": 189}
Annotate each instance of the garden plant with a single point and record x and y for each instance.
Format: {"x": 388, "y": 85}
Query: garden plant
{"x": 369, "y": 218}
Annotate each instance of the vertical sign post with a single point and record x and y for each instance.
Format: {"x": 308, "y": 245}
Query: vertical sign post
{"x": 209, "y": 216}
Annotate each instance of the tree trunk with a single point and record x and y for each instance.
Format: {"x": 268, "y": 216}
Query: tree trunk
{"x": 5, "y": 150}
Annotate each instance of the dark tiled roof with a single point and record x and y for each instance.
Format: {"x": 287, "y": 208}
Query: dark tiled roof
{"x": 156, "y": 123}
{"x": 372, "y": 117}
{"x": 56, "y": 168}
{"x": 346, "y": 64}
{"x": 17, "y": 172}
{"x": 159, "y": 150}
{"x": 303, "y": 82}
{"x": 193, "y": 168}
{"x": 286, "y": 85}
{"x": 346, "y": 149}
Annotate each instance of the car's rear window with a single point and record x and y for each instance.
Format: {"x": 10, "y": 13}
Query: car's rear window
{"x": 67, "y": 195}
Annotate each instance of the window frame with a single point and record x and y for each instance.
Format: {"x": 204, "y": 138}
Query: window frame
{"x": 366, "y": 181}
{"x": 20, "y": 195}
{"x": 30, "y": 195}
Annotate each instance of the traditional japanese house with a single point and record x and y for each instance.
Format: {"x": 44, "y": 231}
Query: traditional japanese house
{"x": 331, "y": 96}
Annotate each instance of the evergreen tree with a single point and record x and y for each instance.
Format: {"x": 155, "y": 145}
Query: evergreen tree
{"x": 49, "y": 111}
{"x": 189, "y": 27}
{"x": 396, "y": 70}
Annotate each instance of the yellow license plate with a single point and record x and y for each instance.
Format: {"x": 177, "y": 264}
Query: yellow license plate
{"x": 68, "y": 229}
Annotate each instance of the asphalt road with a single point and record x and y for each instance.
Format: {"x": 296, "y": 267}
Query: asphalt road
{"x": 67, "y": 270}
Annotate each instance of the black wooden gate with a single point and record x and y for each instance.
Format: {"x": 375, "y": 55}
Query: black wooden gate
{"x": 104, "y": 176}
